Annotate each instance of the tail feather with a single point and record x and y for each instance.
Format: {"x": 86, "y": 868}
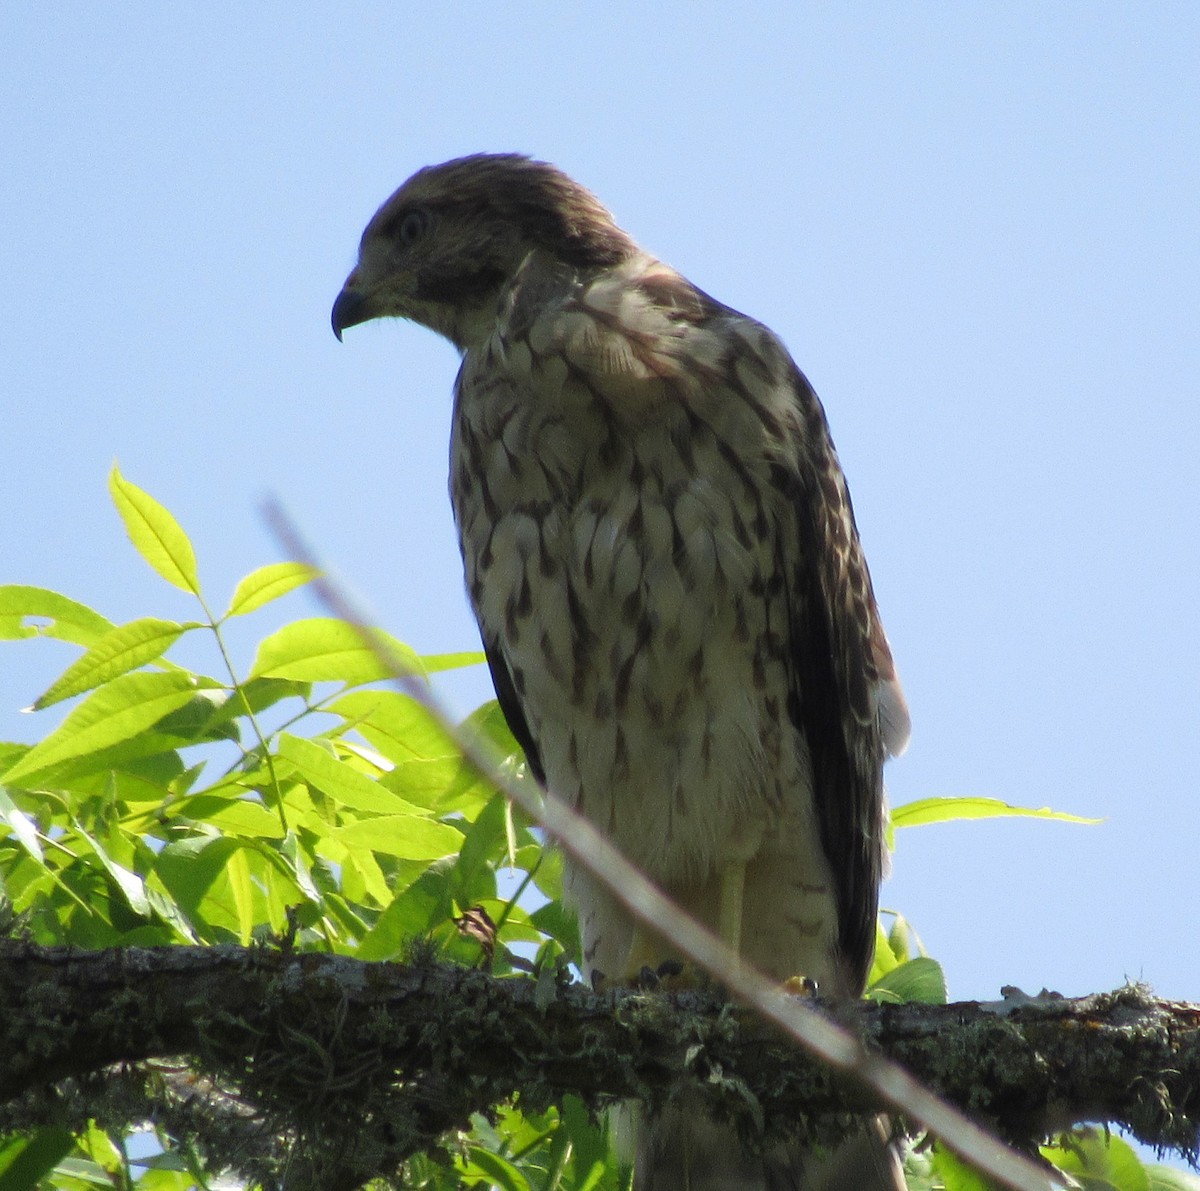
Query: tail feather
{"x": 682, "y": 1149}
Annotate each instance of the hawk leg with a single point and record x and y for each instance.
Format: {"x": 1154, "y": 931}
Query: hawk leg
{"x": 729, "y": 910}
{"x": 648, "y": 949}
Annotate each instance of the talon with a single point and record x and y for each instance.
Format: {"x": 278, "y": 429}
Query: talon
{"x": 646, "y": 978}
{"x": 669, "y": 968}
{"x": 800, "y": 986}
{"x": 598, "y": 980}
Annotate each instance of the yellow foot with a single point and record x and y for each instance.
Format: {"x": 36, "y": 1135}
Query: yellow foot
{"x": 800, "y": 986}
{"x": 645, "y": 967}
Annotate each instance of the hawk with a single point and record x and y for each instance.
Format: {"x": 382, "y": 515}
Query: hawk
{"x": 661, "y": 553}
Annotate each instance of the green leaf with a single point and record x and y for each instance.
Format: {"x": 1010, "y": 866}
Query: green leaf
{"x": 266, "y": 584}
{"x": 69, "y": 620}
{"x": 441, "y": 785}
{"x": 243, "y": 816}
{"x": 1163, "y": 1178}
{"x": 296, "y": 858}
{"x": 25, "y": 1160}
{"x": 117, "y": 652}
{"x": 201, "y": 718}
{"x": 885, "y": 958}
{"x": 129, "y": 883}
{"x": 945, "y": 810}
{"x": 412, "y": 914}
{"x": 555, "y": 920}
{"x": 397, "y": 725}
{"x": 920, "y": 979}
{"x": 259, "y": 693}
{"x": 325, "y": 649}
{"x": 81, "y": 1174}
{"x": 494, "y": 1171}
{"x": 165, "y": 908}
{"x": 148, "y": 753}
{"x": 1100, "y": 1161}
{"x": 362, "y": 877}
{"x": 237, "y": 872}
{"x": 339, "y": 781}
{"x": 97, "y": 1144}
{"x": 155, "y": 534}
{"x": 489, "y": 721}
{"x": 213, "y": 882}
{"x": 549, "y": 875}
{"x": 23, "y": 827}
{"x": 902, "y": 940}
{"x": 955, "y": 1173}
{"x": 405, "y": 836}
{"x": 434, "y": 662}
{"x": 588, "y": 1141}
{"x": 116, "y": 712}
{"x": 483, "y": 843}
{"x": 10, "y": 750}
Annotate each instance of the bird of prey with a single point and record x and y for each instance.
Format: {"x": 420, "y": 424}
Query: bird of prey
{"x": 661, "y": 553}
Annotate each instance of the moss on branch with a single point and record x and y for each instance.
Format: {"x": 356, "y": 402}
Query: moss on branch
{"x": 343, "y": 1069}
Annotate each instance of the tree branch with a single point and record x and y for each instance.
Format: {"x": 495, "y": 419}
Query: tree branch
{"x": 341, "y": 1069}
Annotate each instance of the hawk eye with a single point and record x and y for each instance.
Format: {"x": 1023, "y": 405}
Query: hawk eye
{"x": 413, "y": 226}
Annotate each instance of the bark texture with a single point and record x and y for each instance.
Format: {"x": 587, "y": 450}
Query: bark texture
{"x": 337, "y": 1070}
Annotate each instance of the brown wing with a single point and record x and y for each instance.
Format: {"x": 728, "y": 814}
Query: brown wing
{"x": 514, "y": 713}
{"x": 844, "y": 698}
{"x": 844, "y": 695}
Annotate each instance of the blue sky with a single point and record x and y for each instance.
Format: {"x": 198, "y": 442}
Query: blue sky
{"x": 976, "y": 227}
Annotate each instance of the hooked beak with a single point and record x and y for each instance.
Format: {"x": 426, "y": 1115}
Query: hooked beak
{"x": 350, "y": 309}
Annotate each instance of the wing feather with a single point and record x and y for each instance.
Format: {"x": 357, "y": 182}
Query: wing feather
{"x": 845, "y": 698}
{"x": 514, "y": 712}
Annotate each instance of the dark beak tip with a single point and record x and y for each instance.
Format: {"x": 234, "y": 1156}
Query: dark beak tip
{"x": 349, "y": 310}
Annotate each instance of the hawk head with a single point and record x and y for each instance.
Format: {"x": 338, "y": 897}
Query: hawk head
{"x": 441, "y": 249}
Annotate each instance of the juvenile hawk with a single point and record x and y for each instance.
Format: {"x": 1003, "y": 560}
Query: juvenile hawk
{"x": 662, "y": 557}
